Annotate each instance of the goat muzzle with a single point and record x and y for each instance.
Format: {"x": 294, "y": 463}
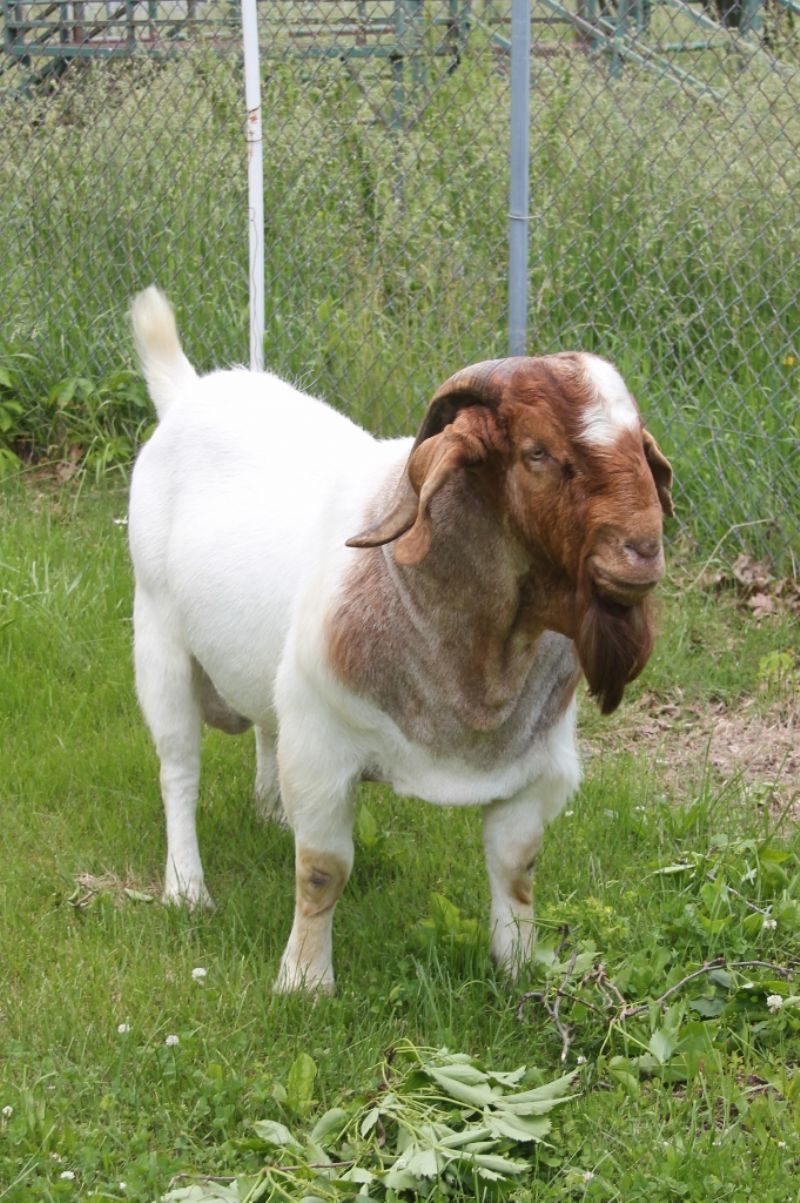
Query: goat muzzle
{"x": 627, "y": 573}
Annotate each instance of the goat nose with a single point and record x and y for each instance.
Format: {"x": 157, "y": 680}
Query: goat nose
{"x": 646, "y": 549}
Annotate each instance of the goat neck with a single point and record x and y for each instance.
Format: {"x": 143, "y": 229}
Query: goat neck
{"x": 457, "y": 633}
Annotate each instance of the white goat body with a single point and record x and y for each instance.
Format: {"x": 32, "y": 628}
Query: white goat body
{"x": 350, "y": 664}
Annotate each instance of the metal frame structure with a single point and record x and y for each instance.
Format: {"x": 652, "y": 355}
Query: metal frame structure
{"x": 391, "y": 30}
{"x": 399, "y": 36}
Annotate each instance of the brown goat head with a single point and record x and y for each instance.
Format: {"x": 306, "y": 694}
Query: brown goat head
{"x": 556, "y": 443}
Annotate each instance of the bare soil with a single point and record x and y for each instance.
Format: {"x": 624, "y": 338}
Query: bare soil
{"x": 754, "y": 744}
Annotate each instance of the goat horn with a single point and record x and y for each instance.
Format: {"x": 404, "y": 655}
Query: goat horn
{"x": 483, "y": 383}
{"x": 480, "y": 384}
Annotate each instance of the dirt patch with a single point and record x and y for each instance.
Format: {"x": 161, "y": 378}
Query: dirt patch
{"x": 764, "y": 749}
{"x": 754, "y": 744}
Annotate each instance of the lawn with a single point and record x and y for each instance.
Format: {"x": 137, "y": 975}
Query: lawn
{"x": 142, "y": 1051}
{"x": 120, "y": 1064}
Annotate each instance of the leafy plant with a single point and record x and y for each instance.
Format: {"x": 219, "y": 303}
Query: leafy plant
{"x": 297, "y": 1094}
{"x": 12, "y": 424}
{"x": 445, "y": 925}
{"x": 679, "y": 1000}
{"x": 779, "y": 673}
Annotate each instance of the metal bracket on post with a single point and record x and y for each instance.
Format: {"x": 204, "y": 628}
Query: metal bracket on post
{"x": 255, "y": 182}
{"x": 518, "y": 183}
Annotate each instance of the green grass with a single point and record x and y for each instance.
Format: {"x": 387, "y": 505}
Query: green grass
{"x": 717, "y": 1118}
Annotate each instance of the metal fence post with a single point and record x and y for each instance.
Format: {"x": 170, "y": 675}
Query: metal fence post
{"x": 255, "y": 182}
{"x": 518, "y": 173}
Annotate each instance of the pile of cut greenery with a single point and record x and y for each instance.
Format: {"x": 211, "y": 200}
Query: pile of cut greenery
{"x": 438, "y": 1120}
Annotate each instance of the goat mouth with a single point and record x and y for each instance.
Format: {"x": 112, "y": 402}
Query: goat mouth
{"x": 625, "y": 591}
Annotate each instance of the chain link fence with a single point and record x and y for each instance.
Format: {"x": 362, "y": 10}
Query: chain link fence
{"x": 663, "y": 226}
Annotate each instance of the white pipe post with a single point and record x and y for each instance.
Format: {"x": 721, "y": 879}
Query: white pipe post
{"x": 518, "y": 172}
{"x": 255, "y": 182}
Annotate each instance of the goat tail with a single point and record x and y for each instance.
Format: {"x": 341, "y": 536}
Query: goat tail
{"x": 165, "y": 367}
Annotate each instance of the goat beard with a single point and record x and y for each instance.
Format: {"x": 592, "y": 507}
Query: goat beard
{"x": 614, "y": 643}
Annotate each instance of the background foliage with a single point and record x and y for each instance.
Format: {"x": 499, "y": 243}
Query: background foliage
{"x": 663, "y": 234}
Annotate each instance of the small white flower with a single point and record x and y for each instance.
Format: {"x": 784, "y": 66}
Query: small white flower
{"x": 781, "y": 1144}
{"x": 8, "y": 1111}
{"x": 171, "y": 1041}
{"x": 588, "y": 1175}
{"x": 581, "y": 1060}
{"x": 199, "y": 974}
{"x": 123, "y": 1028}
{"x": 123, "y": 1186}
{"x": 774, "y": 1002}
{"x": 120, "y": 521}
{"x": 568, "y": 814}
{"x": 769, "y": 924}
{"x": 56, "y": 1157}
{"x": 67, "y": 1175}
{"x": 750, "y": 875}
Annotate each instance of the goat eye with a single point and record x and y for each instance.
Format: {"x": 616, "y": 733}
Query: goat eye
{"x": 536, "y": 453}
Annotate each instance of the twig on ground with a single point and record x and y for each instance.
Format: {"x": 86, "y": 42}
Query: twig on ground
{"x": 527, "y": 997}
{"x": 782, "y": 970}
{"x": 562, "y": 1028}
{"x": 707, "y": 967}
{"x": 622, "y": 1010}
{"x": 741, "y": 897}
{"x": 554, "y": 1008}
{"x": 627, "y": 1012}
{"x": 599, "y": 978}
{"x": 562, "y": 943}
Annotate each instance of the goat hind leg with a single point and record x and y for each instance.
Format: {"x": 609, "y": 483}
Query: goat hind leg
{"x": 166, "y": 683}
{"x": 267, "y": 792}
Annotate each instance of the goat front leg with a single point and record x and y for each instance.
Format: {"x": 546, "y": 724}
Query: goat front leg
{"x": 320, "y": 877}
{"x": 318, "y": 793}
{"x": 167, "y": 687}
{"x": 512, "y": 833}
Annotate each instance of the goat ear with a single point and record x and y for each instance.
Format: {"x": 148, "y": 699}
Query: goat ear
{"x": 400, "y": 517}
{"x": 662, "y": 472}
{"x": 430, "y": 466}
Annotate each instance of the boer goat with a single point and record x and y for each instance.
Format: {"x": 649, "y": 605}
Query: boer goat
{"x": 416, "y": 612}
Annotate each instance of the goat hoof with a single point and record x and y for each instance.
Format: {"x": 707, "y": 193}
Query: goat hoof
{"x": 511, "y": 962}
{"x": 269, "y": 809}
{"x": 292, "y": 980}
{"x": 192, "y": 895}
